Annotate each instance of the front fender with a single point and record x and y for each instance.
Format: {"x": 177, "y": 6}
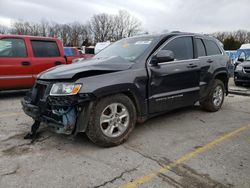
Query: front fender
{"x": 132, "y": 82}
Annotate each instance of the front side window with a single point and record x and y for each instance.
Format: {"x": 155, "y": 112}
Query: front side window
{"x": 182, "y": 48}
{"x": 212, "y": 47}
{"x": 12, "y": 48}
{"x": 200, "y": 48}
{"x": 45, "y": 48}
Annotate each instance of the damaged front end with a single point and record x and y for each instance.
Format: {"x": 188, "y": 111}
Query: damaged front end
{"x": 67, "y": 114}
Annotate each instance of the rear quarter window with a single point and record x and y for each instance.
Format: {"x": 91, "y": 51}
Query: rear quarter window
{"x": 200, "y": 47}
{"x": 212, "y": 47}
{"x": 45, "y": 48}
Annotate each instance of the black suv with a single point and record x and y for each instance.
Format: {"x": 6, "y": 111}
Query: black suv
{"x": 130, "y": 81}
{"x": 242, "y": 70}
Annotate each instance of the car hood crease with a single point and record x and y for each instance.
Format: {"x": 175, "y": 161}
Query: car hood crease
{"x": 109, "y": 64}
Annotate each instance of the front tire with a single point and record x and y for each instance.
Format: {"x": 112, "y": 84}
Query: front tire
{"x": 111, "y": 121}
{"x": 215, "y": 98}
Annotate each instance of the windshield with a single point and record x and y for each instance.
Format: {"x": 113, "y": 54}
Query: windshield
{"x": 248, "y": 58}
{"x": 243, "y": 53}
{"x": 247, "y": 54}
{"x": 129, "y": 48}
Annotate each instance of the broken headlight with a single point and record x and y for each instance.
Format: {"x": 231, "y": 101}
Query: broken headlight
{"x": 65, "y": 89}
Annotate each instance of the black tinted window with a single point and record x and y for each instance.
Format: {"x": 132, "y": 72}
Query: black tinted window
{"x": 200, "y": 48}
{"x": 212, "y": 48}
{"x": 182, "y": 48}
{"x": 45, "y": 48}
{"x": 12, "y": 48}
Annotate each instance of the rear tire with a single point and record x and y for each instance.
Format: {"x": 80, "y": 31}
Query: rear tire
{"x": 215, "y": 98}
{"x": 112, "y": 120}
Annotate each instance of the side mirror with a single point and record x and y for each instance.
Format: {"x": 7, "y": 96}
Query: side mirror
{"x": 162, "y": 56}
{"x": 241, "y": 59}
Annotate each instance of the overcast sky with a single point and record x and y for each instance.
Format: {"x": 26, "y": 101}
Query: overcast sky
{"x": 204, "y": 16}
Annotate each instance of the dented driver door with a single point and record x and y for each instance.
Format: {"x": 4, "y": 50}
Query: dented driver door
{"x": 174, "y": 84}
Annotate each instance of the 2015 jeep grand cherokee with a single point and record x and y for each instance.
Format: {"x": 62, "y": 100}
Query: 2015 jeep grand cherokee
{"x": 130, "y": 81}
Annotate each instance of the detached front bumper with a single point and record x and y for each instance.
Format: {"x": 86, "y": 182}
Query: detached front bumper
{"x": 63, "y": 114}
{"x": 30, "y": 110}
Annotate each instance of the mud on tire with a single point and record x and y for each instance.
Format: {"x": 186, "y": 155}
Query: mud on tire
{"x": 99, "y": 132}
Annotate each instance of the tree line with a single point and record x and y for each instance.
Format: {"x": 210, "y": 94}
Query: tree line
{"x": 100, "y": 28}
{"x": 233, "y": 40}
{"x": 103, "y": 27}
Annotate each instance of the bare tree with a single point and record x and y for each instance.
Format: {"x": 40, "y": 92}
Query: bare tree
{"x": 4, "y": 30}
{"x": 101, "y": 27}
{"x": 113, "y": 27}
{"x": 44, "y": 28}
{"x": 132, "y": 25}
{"x": 232, "y": 40}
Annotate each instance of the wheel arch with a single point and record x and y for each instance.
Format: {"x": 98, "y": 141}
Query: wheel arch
{"x": 223, "y": 76}
{"x": 134, "y": 99}
{"x": 140, "y": 107}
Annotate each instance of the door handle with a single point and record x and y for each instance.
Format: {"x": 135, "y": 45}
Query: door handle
{"x": 25, "y": 63}
{"x": 210, "y": 61}
{"x": 58, "y": 63}
{"x": 191, "y": 66}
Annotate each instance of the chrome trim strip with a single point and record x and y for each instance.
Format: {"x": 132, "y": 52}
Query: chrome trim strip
{"x": 13, "y": 77}
{"x": 182, "y": 91}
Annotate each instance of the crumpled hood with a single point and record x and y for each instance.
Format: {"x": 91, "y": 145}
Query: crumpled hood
{"x": 109, "y": 64}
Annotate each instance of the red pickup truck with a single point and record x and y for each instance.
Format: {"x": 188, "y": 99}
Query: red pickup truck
{"x": 73, "y": 54}
{"x": 22, "y": 58}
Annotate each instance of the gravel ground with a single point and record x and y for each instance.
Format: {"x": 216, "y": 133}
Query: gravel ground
{"x": 63, "y": 161}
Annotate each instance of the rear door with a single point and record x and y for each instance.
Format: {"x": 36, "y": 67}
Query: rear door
{"x": 209, "y": 55}
{"x": 175, "y": 84}
{"x": 15, "y": 64}
{"x": 206, "y": 65}
{"x": 46, "y": 54}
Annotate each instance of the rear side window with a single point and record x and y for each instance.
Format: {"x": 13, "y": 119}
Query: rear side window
{"x": 45, "y": 48}
{"x": 212, "y": 47}
{"x": 200, "y": 48}
{"x": 12, "y": 48}
{"x": 182, "y": 48}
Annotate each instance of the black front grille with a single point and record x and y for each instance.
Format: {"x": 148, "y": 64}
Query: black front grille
{"x": 247, "y": 69}
{"x": 39, "y": 92}
{"x": 63, "y": 100}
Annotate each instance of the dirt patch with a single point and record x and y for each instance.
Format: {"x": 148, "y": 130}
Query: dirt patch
{"x": 16, "y": 136}
{"x": 189, "y": 178}
{"x": 17, "y": 150}
{"x": 14, "y": 171}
